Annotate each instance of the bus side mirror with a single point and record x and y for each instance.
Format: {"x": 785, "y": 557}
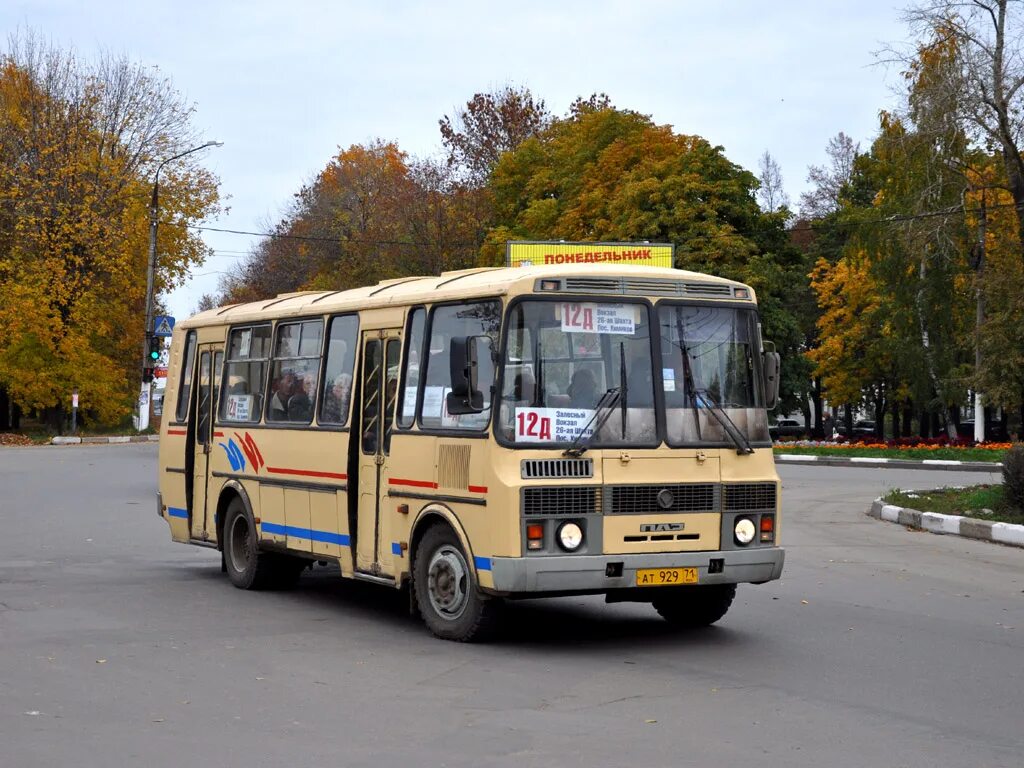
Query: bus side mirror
{"x": 771, "y": 363}
{"x": 465, "y": 396}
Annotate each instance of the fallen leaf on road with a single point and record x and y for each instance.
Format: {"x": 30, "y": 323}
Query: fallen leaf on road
{"x": 650, "y": 721}
{"x": 33, "y": 713}
{"x": 101, "y": 661}
{"x": 804, "y": 602}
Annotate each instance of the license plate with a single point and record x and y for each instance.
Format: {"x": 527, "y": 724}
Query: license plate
{"x": 661, "y": 577}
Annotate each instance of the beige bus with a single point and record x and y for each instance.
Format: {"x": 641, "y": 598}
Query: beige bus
{"x": 484, "y": 435}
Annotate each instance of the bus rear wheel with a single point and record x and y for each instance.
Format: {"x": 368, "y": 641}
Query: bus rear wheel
{"x": 246, "y": 566}
{"x": 446, "y": 589}
{"x": 698, "y": 606}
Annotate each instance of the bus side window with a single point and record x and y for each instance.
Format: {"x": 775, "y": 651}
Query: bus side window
{"x": 185, "y": 387}
{"x": 336, "y": 393}
{"x": 247, "y": 361}
{"x": 411, "y": 368}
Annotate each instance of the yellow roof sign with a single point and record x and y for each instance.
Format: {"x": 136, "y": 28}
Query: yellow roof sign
{"x": 534, "y": 253}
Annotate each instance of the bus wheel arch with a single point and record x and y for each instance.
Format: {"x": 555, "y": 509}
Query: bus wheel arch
{"x": 445, "y": 587}
{"x": 231, "y": 490}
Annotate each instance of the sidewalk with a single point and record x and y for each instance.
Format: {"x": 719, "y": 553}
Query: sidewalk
{"x": 991, "y": 467}
{"x": 952, "y": 525}
{"x": 105, "y": 440}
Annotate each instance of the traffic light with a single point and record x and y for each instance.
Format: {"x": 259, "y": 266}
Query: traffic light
{"x": 156, "y": 348}
{"x": 147, "y": 375}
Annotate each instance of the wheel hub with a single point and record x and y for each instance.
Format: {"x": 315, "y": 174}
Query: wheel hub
{"x": 447, "y": 577}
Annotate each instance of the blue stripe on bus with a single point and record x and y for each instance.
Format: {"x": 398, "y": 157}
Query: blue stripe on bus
{"x": 177, "y": 512}
{"x": 396, "y": 548}
{"x": 482, "y": 563}
{"x": 325, "y": 537}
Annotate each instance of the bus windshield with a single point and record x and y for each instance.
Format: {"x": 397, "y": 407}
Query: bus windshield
{"x": 561, "y": 360}
{"x": 566, "y": 362}
{"x": 710, "y": 375}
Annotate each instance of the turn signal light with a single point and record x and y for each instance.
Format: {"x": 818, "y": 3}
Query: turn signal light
{"x": 535, "y": 536}
{"x": 767, "y": 528}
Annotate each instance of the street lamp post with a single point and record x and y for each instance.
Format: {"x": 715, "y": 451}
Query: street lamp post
{"x": 144, "y": 391}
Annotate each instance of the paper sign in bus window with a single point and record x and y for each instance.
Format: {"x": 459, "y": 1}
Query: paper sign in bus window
{"x": 598, "y": 318}
{"x": 668, "y": 378}
{"x": 239, "y": 408}
{"x": 409, "y": 404}
{"x": 552, "y": 425}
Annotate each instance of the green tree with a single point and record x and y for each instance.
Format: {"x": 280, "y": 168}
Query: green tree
{"x": 610, "y": 174}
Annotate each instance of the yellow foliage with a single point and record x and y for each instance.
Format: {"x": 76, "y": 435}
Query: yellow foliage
{"x": 73, "y": 242}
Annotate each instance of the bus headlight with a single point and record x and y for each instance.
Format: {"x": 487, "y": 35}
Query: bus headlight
{"x": 570, "y": 536}
{"x": 744, "y": 530}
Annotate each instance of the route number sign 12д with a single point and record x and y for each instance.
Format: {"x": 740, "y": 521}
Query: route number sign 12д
{"x": 598, "y": 318}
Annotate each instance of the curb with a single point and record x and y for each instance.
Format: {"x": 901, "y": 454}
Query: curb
{"x": 954, "y": 525}
{"x": 116, "y": 439}
{"x": 870, "y": 461}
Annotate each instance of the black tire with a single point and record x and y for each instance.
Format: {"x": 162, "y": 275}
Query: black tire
{"x": 699, "y": 606}
{"x": 246, "y": 566}
{"x": 447, "y": 594}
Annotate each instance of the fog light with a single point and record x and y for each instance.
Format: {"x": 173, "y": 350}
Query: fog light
{"x": 744, "y": 530}
{"x": 767, "y": 529}
{"x": 570, "y": 536}
{"x": 535, "y": 536}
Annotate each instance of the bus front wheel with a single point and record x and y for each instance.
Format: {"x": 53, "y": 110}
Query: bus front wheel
{"x": 698, "y": 606}
{"x": 446, "y": 589}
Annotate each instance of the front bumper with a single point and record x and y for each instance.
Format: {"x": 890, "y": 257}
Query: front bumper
{"x": 587, "y": 573}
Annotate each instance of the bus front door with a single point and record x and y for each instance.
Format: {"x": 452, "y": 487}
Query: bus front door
{"x": 378, "y": 393}
{"x": 201, "y": 440}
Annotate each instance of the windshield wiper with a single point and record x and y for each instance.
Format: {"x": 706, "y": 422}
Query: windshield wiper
{"x": 716, "y": 410}
{"x": 603, "y": 409}
{"x": 691, "y": 388}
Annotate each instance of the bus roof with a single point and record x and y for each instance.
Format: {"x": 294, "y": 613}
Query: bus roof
{"x": 625, "y": 279}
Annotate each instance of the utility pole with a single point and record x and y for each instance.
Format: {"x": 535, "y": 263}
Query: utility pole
{"x": 154, "y": 211}
{"x": 979, "y": 269}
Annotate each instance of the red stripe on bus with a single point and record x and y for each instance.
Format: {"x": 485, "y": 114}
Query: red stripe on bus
{"x": 478, "y": 488}
{"x": 413, "y": 483}
{"x": 218, "y": 434}
{"x": 307, "y": 473}
{"x": 176, "y": 432}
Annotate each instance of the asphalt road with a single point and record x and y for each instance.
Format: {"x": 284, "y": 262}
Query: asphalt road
{"x": 879, "y": 647}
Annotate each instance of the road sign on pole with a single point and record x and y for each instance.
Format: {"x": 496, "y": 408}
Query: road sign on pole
{"x": 163, "y": 325}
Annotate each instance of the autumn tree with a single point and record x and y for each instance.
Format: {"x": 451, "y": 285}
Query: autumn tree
{"x": 476, "y": 135}
{"x": 984, "y": 78}
{"x": 78, "y": 145}
{"x": 828, "y": 181}
{"x": 771, "y": 193}
{"x": 612, "y": 174}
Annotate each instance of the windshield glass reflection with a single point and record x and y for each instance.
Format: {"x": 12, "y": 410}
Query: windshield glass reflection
{"x": 709, "y": 358}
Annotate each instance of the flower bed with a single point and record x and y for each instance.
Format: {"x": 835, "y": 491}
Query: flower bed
{"x": 939, "y": 448}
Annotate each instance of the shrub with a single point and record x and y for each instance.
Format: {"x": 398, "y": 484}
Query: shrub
{"x": 1013, "y": 475}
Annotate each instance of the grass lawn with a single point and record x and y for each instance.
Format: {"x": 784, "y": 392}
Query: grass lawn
{"x": 955, "y": 454}
{"x": 985, "y": 502}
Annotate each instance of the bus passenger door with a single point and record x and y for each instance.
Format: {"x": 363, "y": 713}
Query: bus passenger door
{"x": 201, "y": 439}
{"x": 379, "y": 392}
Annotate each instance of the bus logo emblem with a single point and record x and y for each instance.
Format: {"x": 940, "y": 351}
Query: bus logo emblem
{"x": 666, "y": 499}
{"x": 661, "y": 527}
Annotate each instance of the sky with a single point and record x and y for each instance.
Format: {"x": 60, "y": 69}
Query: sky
{"x": 285, "y": 85}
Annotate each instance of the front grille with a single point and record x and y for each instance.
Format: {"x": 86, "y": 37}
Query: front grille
{"x": 572, "y": 500}
{"x": 643, "y": 499}
{"x": 546, "y": 468}
{"x": 748, "y": 496}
